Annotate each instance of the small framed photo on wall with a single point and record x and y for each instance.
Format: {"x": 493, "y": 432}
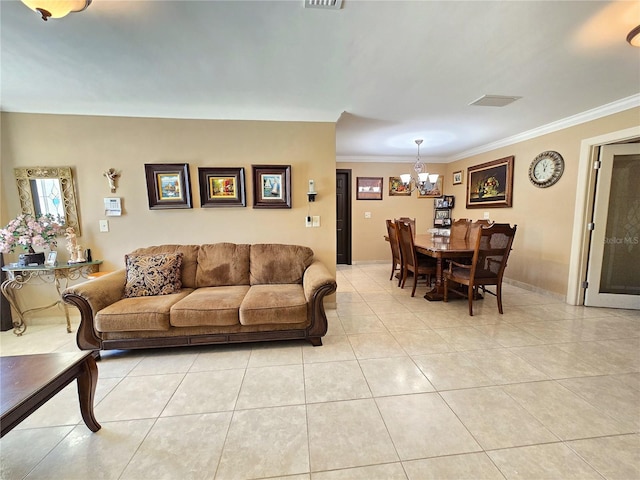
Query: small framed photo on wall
{"x": 369, "y": 188}
{"x": 221, "y": 187}
{"x": 168, "y": 185}
{"x": 271, "y": 186}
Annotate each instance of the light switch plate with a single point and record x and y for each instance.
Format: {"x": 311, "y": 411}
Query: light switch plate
{"x": 104, "y": 225}
{"x": 367, "y": 214}
{"x": 486, "y": 215}
{"x": 316, "y": 220}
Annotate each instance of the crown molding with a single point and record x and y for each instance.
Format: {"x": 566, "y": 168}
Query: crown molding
{"x": 593, "y": 114}
{"x": 383, "y": 159}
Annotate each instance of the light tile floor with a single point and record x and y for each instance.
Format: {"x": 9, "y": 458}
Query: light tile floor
{"x": 402, "y": 389}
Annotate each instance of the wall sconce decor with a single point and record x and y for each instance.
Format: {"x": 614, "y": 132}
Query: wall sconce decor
{"x": 312, "y": 191}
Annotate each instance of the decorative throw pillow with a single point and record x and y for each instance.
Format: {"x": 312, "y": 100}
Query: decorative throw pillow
{"x": 149, "y": 275}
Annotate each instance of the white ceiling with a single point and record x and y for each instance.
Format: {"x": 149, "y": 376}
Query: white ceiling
{"x": 387, "y": 71}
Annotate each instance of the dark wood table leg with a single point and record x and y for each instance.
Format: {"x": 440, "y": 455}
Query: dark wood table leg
{"x": 436, "y": 294}
{"x": 87, "y": 381}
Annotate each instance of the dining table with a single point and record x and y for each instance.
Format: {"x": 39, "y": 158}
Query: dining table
{"x": 441, "y": 248}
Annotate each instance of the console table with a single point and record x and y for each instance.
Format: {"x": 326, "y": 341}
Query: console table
{"x": 58, "y": 276}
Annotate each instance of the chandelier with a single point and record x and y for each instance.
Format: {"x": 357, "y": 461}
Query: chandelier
{"x": 421, "y": 178}
{"x": 56, "y": 8}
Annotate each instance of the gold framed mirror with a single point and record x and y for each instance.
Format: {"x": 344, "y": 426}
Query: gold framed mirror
{"x": 48, "y": 190}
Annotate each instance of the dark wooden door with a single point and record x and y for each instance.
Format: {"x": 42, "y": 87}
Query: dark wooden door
{"x": 343, "y": 216}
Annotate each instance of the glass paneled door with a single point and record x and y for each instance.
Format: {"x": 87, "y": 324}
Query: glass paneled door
{"x": 613, "y": 275}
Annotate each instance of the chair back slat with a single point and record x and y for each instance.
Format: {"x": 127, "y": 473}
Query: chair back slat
{"x": 411, "y": 221}
{"x": 407, "y": 248}
{"x": 460, "y": 229}
{"x": 392, "y": 231}
{"x": 492, "y": 248}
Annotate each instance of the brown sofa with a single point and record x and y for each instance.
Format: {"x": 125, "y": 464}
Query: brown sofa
{"x": 225, "y": 293}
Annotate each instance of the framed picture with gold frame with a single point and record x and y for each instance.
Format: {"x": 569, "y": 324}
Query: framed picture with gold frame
{"x": 397, "y": 188}
{"x": 490, "y": 184}
{"x": 168, "y": 185}
{"x": 221, "y": 187}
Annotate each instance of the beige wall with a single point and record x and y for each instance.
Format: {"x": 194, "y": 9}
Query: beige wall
{"x": 541, "y": 251}
{"x": 91, "y": 145}
{"x": 368, "y": 234}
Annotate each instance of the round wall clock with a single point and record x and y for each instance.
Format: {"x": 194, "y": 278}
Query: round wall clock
{"x": 546, "y": 169}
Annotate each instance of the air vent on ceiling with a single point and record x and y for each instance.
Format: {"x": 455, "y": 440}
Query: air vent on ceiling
{"x": 326, "y": 4}
{"x": 494, "y": 101}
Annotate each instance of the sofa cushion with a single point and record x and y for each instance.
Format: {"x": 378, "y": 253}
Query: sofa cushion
{"x": 269, "y": 304}
{"x": 149, "y": 275}
{"x": 139, "y": 313}
{"x": 222, "y": 264}
{"x": 189, "y": 259}
{"x": 277, "y": 264}
{"x": 212, "y": 306}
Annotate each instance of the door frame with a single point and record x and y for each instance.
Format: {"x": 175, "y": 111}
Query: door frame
{"x": 348, "y": 219}
{"x": 601, "y": 218}
{"x": 579, "y": 256}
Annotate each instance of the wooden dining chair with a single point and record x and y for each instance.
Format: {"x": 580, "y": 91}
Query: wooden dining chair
{"x": 482, "y": 221}
{"x": 418, "y": 265}
{"x": 460, "y": 228}
{"x": 411, "y": 221}
{"x": 491, "y": 251}
{"x": 396, "y": 255}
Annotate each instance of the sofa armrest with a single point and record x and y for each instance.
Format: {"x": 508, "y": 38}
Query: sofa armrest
{"x": 90, "y": 297}
{"x": 317, "y": 283}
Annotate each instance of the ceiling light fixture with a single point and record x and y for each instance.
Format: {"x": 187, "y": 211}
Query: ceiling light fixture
{"x": 421, "y": 178}
{"x": 56, "y": 8}
{"x": 634, "y": 37}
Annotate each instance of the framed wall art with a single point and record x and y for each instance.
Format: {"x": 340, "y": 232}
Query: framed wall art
{"x": 397, "y": 188}
{"x": 168, "y": 185}
{"x": 457, "y": 177}
{"x": 431, "y": 190}
{"x": 369, "y": 188}
{"x": 490, "y": 184}
{"x": 271, "y": 186}
{"x": 221, "y": 187}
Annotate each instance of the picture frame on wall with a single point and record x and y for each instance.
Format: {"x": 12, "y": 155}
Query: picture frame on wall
{"x": 431, "y": 190}
{"x": 490, "y": 184}
{"x": 221, "y": 187}
{"x": 168, "y": 185}
{"x": 397, "y": 188}
{"x": 271, "y": 186}
{"x": 457, "y": 177}
{"x": 369, "y": 188}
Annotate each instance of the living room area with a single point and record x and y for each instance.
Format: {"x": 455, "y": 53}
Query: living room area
{"x": 401, "y": 389}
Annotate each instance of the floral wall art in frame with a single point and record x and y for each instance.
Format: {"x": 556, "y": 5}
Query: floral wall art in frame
{"x": 168, "y": 185}
{"x": 397, "y": 188}
{"x": 490, "y": 184}
{"x": 221, "y": 187}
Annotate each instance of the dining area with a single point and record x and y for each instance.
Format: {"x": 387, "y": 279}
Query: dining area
{"x": 461, "y": 261}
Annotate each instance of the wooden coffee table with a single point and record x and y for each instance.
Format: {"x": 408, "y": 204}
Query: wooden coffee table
{"x": 28, "y": 381}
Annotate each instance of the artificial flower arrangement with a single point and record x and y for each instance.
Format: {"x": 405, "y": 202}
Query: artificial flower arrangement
{"x": 27, "y": 232}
